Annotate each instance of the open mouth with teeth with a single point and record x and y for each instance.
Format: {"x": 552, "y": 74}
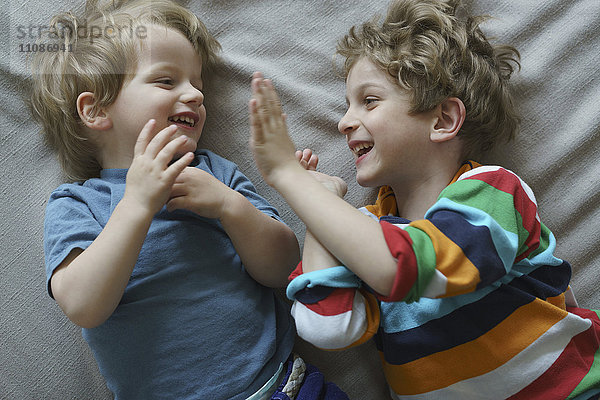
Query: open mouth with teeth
{"x": 183, "y": 120}
{"x": 362, "y": 149}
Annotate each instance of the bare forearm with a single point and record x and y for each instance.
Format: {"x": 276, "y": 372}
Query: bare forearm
{"x": 315, "y": 256}
{"x": 90, "y": 286}
{"x": 268, "y": 248}
{"x": 351, "y": 237}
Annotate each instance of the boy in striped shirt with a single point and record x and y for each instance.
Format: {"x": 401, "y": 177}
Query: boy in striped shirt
{"x": 451, "y": 271}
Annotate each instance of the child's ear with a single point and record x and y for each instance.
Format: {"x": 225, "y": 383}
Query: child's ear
{"x": 450, "y": 117}
{"x": 91, "y": 116}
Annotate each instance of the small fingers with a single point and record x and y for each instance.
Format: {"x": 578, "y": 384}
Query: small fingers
{"x": 181, "y": 178}
{"x": 312, "y": 162}
{"x": 177, "y": 190}
{"x": 255, "y": 122}
{"x": 144, "y": 138}
{"x": 175, "y": 169}
{"x": 160, "y": 141}
{"x": 306, "y": 154}
{"x": 307, "y": 159}
{"x": 272, "y": 98}
{"x": 175, "y": 203}
{"x": 265, "y": 103}
{"x": 169, "y": 150}
{"x": 253, "y": 105}
{"x": 258, "y": 105}
{"x": 299, "y": 154}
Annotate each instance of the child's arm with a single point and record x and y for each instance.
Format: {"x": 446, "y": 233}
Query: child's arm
{"x": 89, "y": 284}
{"x": 330, "y": 309}
{"x": 314, "y": 255}
{"x": 331, "y": 314}
{"x": 353, "y": 238}
{"x": 267, "y": 247}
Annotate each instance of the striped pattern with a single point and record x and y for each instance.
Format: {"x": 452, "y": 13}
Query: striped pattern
{"x": 478, "y": 304}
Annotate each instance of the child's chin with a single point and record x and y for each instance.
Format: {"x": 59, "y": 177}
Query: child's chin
{"x": 364, "y": 181}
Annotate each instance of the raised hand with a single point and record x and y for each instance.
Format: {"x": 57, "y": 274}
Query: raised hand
{"x": 270, "y": 143}
{"x": 150, "y": 177}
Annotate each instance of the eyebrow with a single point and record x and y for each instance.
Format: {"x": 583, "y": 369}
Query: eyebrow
{"x": 362, "y": 86}
{"x": 366, "y": 84}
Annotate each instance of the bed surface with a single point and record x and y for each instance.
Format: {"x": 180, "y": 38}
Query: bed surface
{"x": 43, "y": 355}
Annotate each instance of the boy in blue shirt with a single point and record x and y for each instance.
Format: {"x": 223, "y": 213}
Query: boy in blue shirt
{"x": 163, "y": 253}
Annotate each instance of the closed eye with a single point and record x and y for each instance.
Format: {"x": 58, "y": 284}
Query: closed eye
{"x": 165, "y": 82}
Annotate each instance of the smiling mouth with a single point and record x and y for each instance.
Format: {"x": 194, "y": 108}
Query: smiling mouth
{"x": 361, "y": 149}
{"x": 183, "y": 120}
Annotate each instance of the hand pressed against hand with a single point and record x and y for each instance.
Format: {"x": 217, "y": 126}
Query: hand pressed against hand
{"x": 150, "y": 177}
{"x": 308, "y": 160}
{"x": 198, "y": 191}
{"x": 270, "y": 143}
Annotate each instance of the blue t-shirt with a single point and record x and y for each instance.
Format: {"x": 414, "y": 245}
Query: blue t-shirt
{"x": 192, "y": 324}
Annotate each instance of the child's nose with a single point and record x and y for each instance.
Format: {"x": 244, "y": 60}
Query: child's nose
{"x": 192, "y": 94}
{"x": 347, "y": 124}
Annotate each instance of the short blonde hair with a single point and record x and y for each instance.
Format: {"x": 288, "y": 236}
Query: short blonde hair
{"x": 98, "y": 54}
{"x": 435, "y": 54}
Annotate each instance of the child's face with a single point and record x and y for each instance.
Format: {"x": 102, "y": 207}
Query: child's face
{"x": 167, "y": 87}
{"x": 388, "y": 143}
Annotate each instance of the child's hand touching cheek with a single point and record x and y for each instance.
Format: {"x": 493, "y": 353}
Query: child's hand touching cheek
{"x": 150, "y": 177}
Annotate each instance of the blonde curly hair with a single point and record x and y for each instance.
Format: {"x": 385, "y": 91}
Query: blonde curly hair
{"x": 435, "y": 54}
{"x": 98, "y": 54}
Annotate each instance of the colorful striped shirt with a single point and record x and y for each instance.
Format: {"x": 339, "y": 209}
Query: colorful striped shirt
{"x": 480, "y": 306}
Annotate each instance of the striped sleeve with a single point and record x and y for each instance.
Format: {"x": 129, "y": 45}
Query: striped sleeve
{"x": 330, "y": 309}
{"x": 472, "y": 236}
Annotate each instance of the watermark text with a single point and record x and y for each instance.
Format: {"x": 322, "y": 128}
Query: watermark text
{"x": 33, "y": 32}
